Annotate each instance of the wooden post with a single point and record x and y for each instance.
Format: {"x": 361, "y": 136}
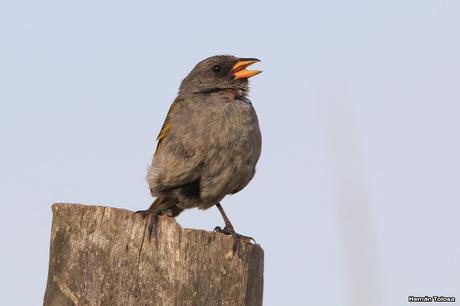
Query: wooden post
{"x": 102, "y": 256}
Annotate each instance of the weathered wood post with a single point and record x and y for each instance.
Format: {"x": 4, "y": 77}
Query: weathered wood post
{"x": 102, "y": 256}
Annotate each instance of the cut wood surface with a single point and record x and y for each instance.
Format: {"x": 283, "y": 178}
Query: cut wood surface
{"x": 102, "y": 256}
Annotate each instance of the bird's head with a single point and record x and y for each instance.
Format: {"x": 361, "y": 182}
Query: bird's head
{"x": 219, "y": 72}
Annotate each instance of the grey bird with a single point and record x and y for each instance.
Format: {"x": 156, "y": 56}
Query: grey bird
{"x": 209, "y": 144}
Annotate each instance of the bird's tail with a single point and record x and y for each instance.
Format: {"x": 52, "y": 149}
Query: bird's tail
{"x": 168, "y": 204}
{"x": 156, "y": 204}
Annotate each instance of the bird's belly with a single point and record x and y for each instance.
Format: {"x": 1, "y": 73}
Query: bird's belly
{"x": 227, "y": 141}
{"x": 232, "y": 153}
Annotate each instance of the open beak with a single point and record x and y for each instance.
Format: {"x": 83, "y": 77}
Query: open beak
{"x": 239, "y": 69}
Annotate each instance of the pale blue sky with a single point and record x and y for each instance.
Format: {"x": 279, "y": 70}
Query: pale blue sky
{"x": 356, "y": 198}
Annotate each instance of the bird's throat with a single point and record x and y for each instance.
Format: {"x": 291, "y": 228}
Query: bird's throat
{"x": 229, "y": 93}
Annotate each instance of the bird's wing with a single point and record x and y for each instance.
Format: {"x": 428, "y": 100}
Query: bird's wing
{"x": 166, "y": 128}
{"x": 175, "y": 162}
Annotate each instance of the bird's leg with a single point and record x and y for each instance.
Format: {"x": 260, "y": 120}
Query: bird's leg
{"x": 229, "y": 230}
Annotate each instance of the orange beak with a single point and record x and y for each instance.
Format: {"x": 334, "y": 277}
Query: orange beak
{"x": 239, "y": 69}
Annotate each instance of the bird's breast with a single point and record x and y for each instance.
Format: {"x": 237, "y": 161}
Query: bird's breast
{"x": 232, "y": 122}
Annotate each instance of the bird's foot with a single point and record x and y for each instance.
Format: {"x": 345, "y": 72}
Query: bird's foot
{"x": 143, "y": 213}
{"x": 230, "y": 231}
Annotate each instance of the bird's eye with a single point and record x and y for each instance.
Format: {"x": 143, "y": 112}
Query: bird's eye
{"x": 216, "y": 68}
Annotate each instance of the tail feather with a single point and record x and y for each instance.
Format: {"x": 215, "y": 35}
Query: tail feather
{"x": 172, "y": 211}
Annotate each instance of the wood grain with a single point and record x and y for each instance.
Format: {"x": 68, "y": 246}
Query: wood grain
{"x": 102, "y": 256}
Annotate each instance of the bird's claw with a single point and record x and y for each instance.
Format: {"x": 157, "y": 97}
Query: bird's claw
{"x": 143, "y": 213}
{"x": 230, "y": 231}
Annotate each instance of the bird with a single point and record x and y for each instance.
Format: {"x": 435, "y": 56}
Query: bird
{"x": 209, "y": 143}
